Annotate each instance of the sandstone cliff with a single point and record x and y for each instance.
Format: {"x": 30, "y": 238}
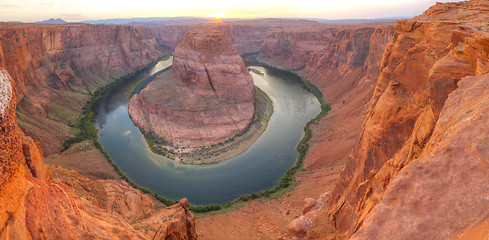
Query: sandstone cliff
{"x": 207, "y": 98}
{"x": 56, "y": 68}
{"x": 34, "y": 207}
{"x": 392, "y": 185}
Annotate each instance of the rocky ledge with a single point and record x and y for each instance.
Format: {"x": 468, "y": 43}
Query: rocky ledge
{"x": 207, "y": 98}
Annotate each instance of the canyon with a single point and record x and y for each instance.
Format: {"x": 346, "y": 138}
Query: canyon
{"x": 206, "y": 99}
{"x": 401, "y": 155}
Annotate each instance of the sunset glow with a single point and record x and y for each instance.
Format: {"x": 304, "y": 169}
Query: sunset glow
{"x": 218, "y": 15}
{"x": 74, "y": 10}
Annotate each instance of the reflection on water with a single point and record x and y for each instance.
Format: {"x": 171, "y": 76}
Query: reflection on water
{"x": 257, "y": 169}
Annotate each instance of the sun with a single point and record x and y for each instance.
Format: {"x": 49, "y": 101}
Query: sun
{"x": 218, "y": 15}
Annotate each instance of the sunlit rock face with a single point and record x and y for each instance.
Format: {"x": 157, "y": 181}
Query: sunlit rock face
{"x": 207, "y": 98}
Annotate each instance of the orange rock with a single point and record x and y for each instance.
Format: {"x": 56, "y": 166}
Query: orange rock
{"x": 309, "y": 203}
{"x": 299, "y": 226}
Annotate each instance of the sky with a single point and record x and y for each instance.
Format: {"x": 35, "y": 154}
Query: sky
{"x": 79, "y": 10}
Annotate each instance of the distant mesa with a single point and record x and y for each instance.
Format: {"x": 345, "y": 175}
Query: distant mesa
{"x": 206, "y": 99}
{"x": 52, "y": 21}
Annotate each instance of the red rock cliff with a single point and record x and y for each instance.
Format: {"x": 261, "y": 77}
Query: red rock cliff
{"x": 34, "y": 207}
{"x": 207, "y": 98}
{"x": 56, "y": 67}
{"x": 392, "y": 185}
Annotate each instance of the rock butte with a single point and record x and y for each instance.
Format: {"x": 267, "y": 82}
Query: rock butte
{"x": 206, "y": 99}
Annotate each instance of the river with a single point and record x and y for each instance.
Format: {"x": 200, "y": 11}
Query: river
{"x": 259, "y": 168}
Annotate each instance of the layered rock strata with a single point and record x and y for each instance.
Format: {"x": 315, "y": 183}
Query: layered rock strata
{"x": 33, "y": 206}
{"x": 207, "y": 98}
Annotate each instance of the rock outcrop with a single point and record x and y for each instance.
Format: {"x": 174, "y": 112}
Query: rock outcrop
{"x": 393, "y": 179}
{"x": 33, "y": 206}
{"x": 207, "y": 98}
{"x": 57, "y": 67}
{"x": 301, "y": 225}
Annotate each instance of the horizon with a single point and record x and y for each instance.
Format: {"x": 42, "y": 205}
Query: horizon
{"x": 29, "y": 11}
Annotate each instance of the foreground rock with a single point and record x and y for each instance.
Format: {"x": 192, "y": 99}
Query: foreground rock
{"x": 392, "y": 185}
{"x": 33, "y": 206}
{"x": 207, "y": 98}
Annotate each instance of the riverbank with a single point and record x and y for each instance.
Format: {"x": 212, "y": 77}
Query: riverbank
{"x": 230, "y": 148}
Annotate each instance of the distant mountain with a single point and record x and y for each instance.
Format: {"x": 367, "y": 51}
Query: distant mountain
{"x": 134, "y": 21}
{"x": 52, "y": 21}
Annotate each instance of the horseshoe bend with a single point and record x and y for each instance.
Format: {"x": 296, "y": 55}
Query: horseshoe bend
{"x": 378, "y": 131}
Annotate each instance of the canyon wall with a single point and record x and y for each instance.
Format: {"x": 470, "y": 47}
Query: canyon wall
{"x": 33, "y": 206}
{"x": 57, "y": 68}
{"x": 207, "y": 98}
{"x": 408, "y": 176}
{"x": 291, "y": 47}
